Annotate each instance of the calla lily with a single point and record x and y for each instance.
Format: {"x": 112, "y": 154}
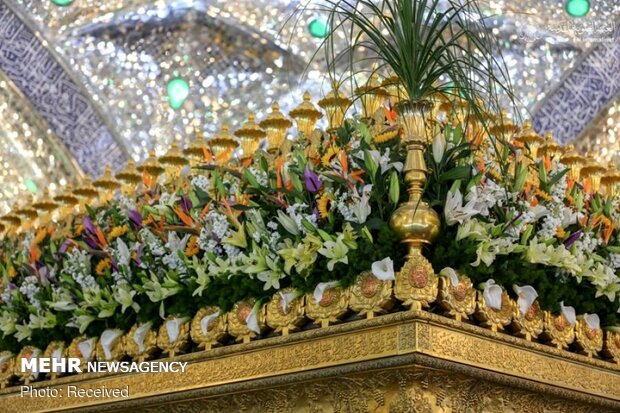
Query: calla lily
{"x": 384, "y": 269}
{"x": 140, "y": 334}
{"x": 321, "y": 288}
{"x": 287, "y": 298}
{"x": 527, "y": 295}
{"x": 173, "y": 327}
{"x": 451, "y": 274}
{"x": 569, "y": 313}
{"x": 252, "y": 319}
{"x": 492, "y": 294}
{"x": 206, "y": 320}
{"x": 108, "y": 339}
{"x": 86, "y": 348}
{"x": 439, "y": 147}
{"x": 592, "y": 320}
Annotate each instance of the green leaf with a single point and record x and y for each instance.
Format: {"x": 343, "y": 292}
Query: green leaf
{"x": 249, "y": 177}
{"x": 460, "y": 173}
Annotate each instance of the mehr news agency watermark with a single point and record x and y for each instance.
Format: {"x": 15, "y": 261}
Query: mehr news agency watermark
{"x": 65, "y": 365}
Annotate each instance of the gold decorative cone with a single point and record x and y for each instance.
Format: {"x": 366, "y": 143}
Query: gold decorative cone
{"x": 335, "y": 106}
{"x": 610, "y": 180}
{"x": 275, "y": 126}
{"x": 395, "y": 90}
{"x": 306, "y": 116}
{"x": 67, "y": 197}
{"x": 130, "y": 175}
{"x": 107, "y": 182}
{"x": 573, "y": 160}
{"x": 173, "y": 158}
{"x": 223, "y": 145}
{"x": 372, "y": 95}
{"x": 593, "y": 171}
{"x": 196, "y": 150}
{"x": 86, "y": 189}
{"x": 46, "y": 204}
{"x": 550, "y": 147}
{"x": 249, "y": 135}
{"x": 151, "y": 166}
{"x": 529, "y": 138}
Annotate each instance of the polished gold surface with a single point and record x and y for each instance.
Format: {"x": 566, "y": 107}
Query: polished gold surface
{"x": 370, "y": 295}
{"x": 249, "y": 135}
{"x": 404, "y": 340}
{"x": 588, "y": 340}
{"x": 285, "y": 318}
{"x": 333, "y": 305}
{"x": 173, "y": 345}
{"x": 223, "y": 145}
{"x": 237, "y": 320}
{"x": 209, "y": 327}
{"x": 459, "y": 300}
{"x": 558, "y": 330}
{"x": 493, "y": 318}
{"x": 140, "y": 349}
{"x": 306, "y": 116}
{"x": 529, "y": 325}
{"x": 372, "y": 95}
{"x": 573, "y": 160}
{"x": 335, "y": 106}
{"x": 275, "y": 125}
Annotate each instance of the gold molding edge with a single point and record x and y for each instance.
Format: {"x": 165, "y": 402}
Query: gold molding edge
{"x": 414, "y": 333}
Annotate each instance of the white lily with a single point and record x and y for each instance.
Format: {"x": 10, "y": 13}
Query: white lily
{"x": 23, "y": 332}
{"x": 140, "y": 335}
{"x": 492, "y": 294}
{"x": 569, "y": 313}
{"x": 173, "y": 327}
{"x": 593, "y": 321}
{"x": 108, "y": 338}
{"x": 124, "y": 294}
{"x": 451, "y": 274}
{"x": 336, "y": 251}
{"x": 321, "y": 288}
{"x": 439, "y": 147}
{"x": 81, "y": 322}
{"x": 206, "y": 320}
{"x": 8, "y": 322}
{"x": 124, "y": 255}
{"x": 252, "y": 319}
{"x": 384, "y": 269}
{"x": 454, "y": 210}
{"x": 527, "y": 295}
{"x": 361, "y": 207}
{"x": 288, "y": 223}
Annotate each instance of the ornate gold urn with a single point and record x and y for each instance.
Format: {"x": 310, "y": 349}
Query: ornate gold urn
{"x": 415, "y": 223}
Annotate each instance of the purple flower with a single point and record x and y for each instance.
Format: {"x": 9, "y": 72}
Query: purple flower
{"x": 88, "y": 225}
{"x": 135, "y": 218}
{"x": 138, "y": 258}
{"x": 186, "y": 204}
{"x": 90, "y": 241}
{"x": 571, "y": 240}
{"x": 312, "y": 180}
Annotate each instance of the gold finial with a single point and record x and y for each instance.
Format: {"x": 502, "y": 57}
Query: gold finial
{"x": 151, "y": 166}
{"x": 610, "y": 180}
{"x": 574, "y": 161}
{"x": 550, "y": 147}
{"x": 174, "y": 157}
{"x": 502, "y": 126}
{"x": 593, "y": 171}
{"x": 395, "y": 90}
{"x": 306, "y": 116}
{"x": 335, "y": 105}
{"x": 26, "y": 210}
{"x": 45, "y": 204}
{"x": 223, "y": 145}
{"x": 86, "y": 190}
{"x": 250, "y": 134}
{"x": 106, "y": 182}
{"x": 196, "y": 150}
{"x": 11, "y": 219}
{"x": 67, "y": 197}
{"x": 129, "y": 175}
{"x": 529, "y": 137}
{"x": 372, "y": 95}
{"x": 275, "y": 125}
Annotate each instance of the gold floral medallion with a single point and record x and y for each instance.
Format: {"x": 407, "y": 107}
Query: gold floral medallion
{"x": 611, "y": 348}
{"x": 141, "y": 342}
{"x": 7, "y": 368}
{"x": 529, "y": 325}
{"x": 28, "y": 353}
{"x": 282, "y": 316}
{"x": 370, "y": 295}
{"x": 209, "y": 327}
{"x": 588, "y": 340}
{"x": 238, "y": 320}
{"x": 558, "y": 330}
{"x": 491, "y": 317}
{"x": 84, "y": 348}
{"x": 173, "y": 335}
{"x": 416, "y": 283}
{"x": 458, "y": 300}
{"x": 333, "y": 305}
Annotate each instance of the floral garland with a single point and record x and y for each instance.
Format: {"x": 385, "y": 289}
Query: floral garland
{"x": 316, "y": 216}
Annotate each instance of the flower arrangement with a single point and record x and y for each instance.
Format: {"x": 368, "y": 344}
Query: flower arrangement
{"x": 213, "y": 236}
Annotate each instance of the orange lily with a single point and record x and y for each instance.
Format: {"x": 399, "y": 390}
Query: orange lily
{"x": 187, "y": 220}
{"x": 100, "y": 236}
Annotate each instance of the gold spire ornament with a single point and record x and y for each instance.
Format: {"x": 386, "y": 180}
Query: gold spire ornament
{"x": 129, "y": 177}
{"x": 275, "y": 126}
{"x": 45, "y": 207}
{"x": 196, "y": 149}
{"x": 151, "y": 167}
{"x": 395, "y": 90}
{"x": 306, "y": 116}
{"x": 106, "y": 184}
{"x": 174, "y": 161}
{"x": 550, "y": 147}
{"x": 372, "y": 95}
{"x": 593, "y": 171}
{"x": 529, "y": 138}
{"x": 610, "y": 180}
{"x": 335, "y": 106}
{"x": 573, "y": 160}
{"x": 223, "y": 145}
{"x": 28, "y": 214}
{"x": 415, "y": 222}
{"x": 249, "y": 135}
